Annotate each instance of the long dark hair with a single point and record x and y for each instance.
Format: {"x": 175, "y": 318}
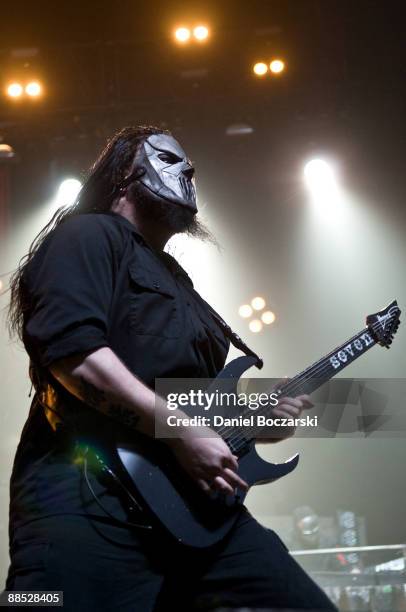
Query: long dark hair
{"x": 96, "y": 195}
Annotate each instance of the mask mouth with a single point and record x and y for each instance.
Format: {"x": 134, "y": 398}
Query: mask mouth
{"x": 187, "y": 189}
{"x": 175, "y": 200}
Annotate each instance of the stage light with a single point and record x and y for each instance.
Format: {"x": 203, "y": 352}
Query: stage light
{"x": 255, "y": 326}
{"x": 318, "y": 171}
{"x": 320, "y": 178}
{"x": 33, "y": 89}
{"x": 260, "y": 68}
{"x": 182, "y": 35}
{"x": 67, "y": 192}
{"x": 268, "y": 317}
{"x": 201, "y": 33}
{"x": 258, "y": 303}
{"x": 239, "y": 129}
{"x": 327, "y": 199}
{"x": 6, "y": 151}
{"x": 245, "y": 311}
{"x": 15, "y": 90}
{"x": 277, "y": 66}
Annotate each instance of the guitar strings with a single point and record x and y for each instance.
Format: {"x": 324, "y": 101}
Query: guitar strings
{"x": 238, "y": 441}
{"x": 320, "y": 368}
{"x": 290, "y": 387}
{"x": 298, "y": 381}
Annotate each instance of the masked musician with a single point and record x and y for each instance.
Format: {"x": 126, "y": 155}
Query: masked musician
{"x": 103, "y": 311}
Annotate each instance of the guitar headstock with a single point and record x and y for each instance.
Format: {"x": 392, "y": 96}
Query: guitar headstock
{"x": 384, "y": 324}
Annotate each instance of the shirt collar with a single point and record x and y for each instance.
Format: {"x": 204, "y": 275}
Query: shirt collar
{"x": 170, "y": 261}
{"x": 127, "y": 224}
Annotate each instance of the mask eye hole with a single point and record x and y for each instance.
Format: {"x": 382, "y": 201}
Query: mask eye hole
{"x": 169, "y": 158}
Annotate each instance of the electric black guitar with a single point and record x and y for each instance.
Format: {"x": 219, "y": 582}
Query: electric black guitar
{"x": 173, "y": 499}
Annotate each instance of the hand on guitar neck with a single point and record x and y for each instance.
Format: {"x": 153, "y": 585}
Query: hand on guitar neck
{"x": 287, "y": 408}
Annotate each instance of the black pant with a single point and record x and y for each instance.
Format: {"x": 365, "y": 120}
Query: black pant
{"x": 108, "y": 568}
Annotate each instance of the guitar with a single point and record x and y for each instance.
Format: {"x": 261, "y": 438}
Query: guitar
{"x": 170, "y": 495}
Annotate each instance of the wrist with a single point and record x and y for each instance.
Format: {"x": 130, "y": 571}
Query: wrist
{"x": 176, "y": 432}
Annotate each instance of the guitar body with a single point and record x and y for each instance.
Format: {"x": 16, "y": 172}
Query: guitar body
{"x": 188, "y": 513}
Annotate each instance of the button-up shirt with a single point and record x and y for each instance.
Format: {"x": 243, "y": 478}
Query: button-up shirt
{"x": 95, "y": 282}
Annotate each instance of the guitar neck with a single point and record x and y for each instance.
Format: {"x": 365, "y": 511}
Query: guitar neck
{"x": 321, "y": 371}
{"x": 309, "y": 380}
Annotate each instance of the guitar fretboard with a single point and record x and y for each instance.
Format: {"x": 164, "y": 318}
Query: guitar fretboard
{"x": 320, "y": 372}
{"x": 308, "y": 381}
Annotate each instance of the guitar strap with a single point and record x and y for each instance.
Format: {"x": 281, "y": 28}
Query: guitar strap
{"x": 234, "y": 338}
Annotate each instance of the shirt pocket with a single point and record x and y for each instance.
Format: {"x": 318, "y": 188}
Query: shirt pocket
{"x": 153, "y": 304}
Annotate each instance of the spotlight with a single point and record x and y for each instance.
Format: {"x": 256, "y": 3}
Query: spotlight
{"x": 320, "y": 178}
{"x": 260, "y": 68}
{"x": 33, "y": 89}
{"x": 277, "y": 66}
{"x": 1, "y": 284}
{"x": 201, "y": 33}
{"x": 6, "y": 151}
{"x": 268, "y": 317}
{"x": 182, "y": 35}
{"x": 255, "y": 326}
{"x": 67, "y": 192}
{"x": 258, "y": 303}
{"x": 327, "y": 200}
{"x": 245, "y": 311}
{"x": 15, "y": 90}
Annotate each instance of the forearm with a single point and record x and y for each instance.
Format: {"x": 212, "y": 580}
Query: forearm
{"x": 102, "y": 381}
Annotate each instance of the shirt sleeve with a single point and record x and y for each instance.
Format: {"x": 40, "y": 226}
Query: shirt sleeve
{"x": 70, "y": 288}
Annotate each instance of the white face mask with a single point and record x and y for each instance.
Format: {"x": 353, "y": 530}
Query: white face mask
{"x": 168, "y": 173}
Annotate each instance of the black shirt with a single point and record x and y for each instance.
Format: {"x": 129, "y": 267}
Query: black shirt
{"x": 95, "y": 282}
